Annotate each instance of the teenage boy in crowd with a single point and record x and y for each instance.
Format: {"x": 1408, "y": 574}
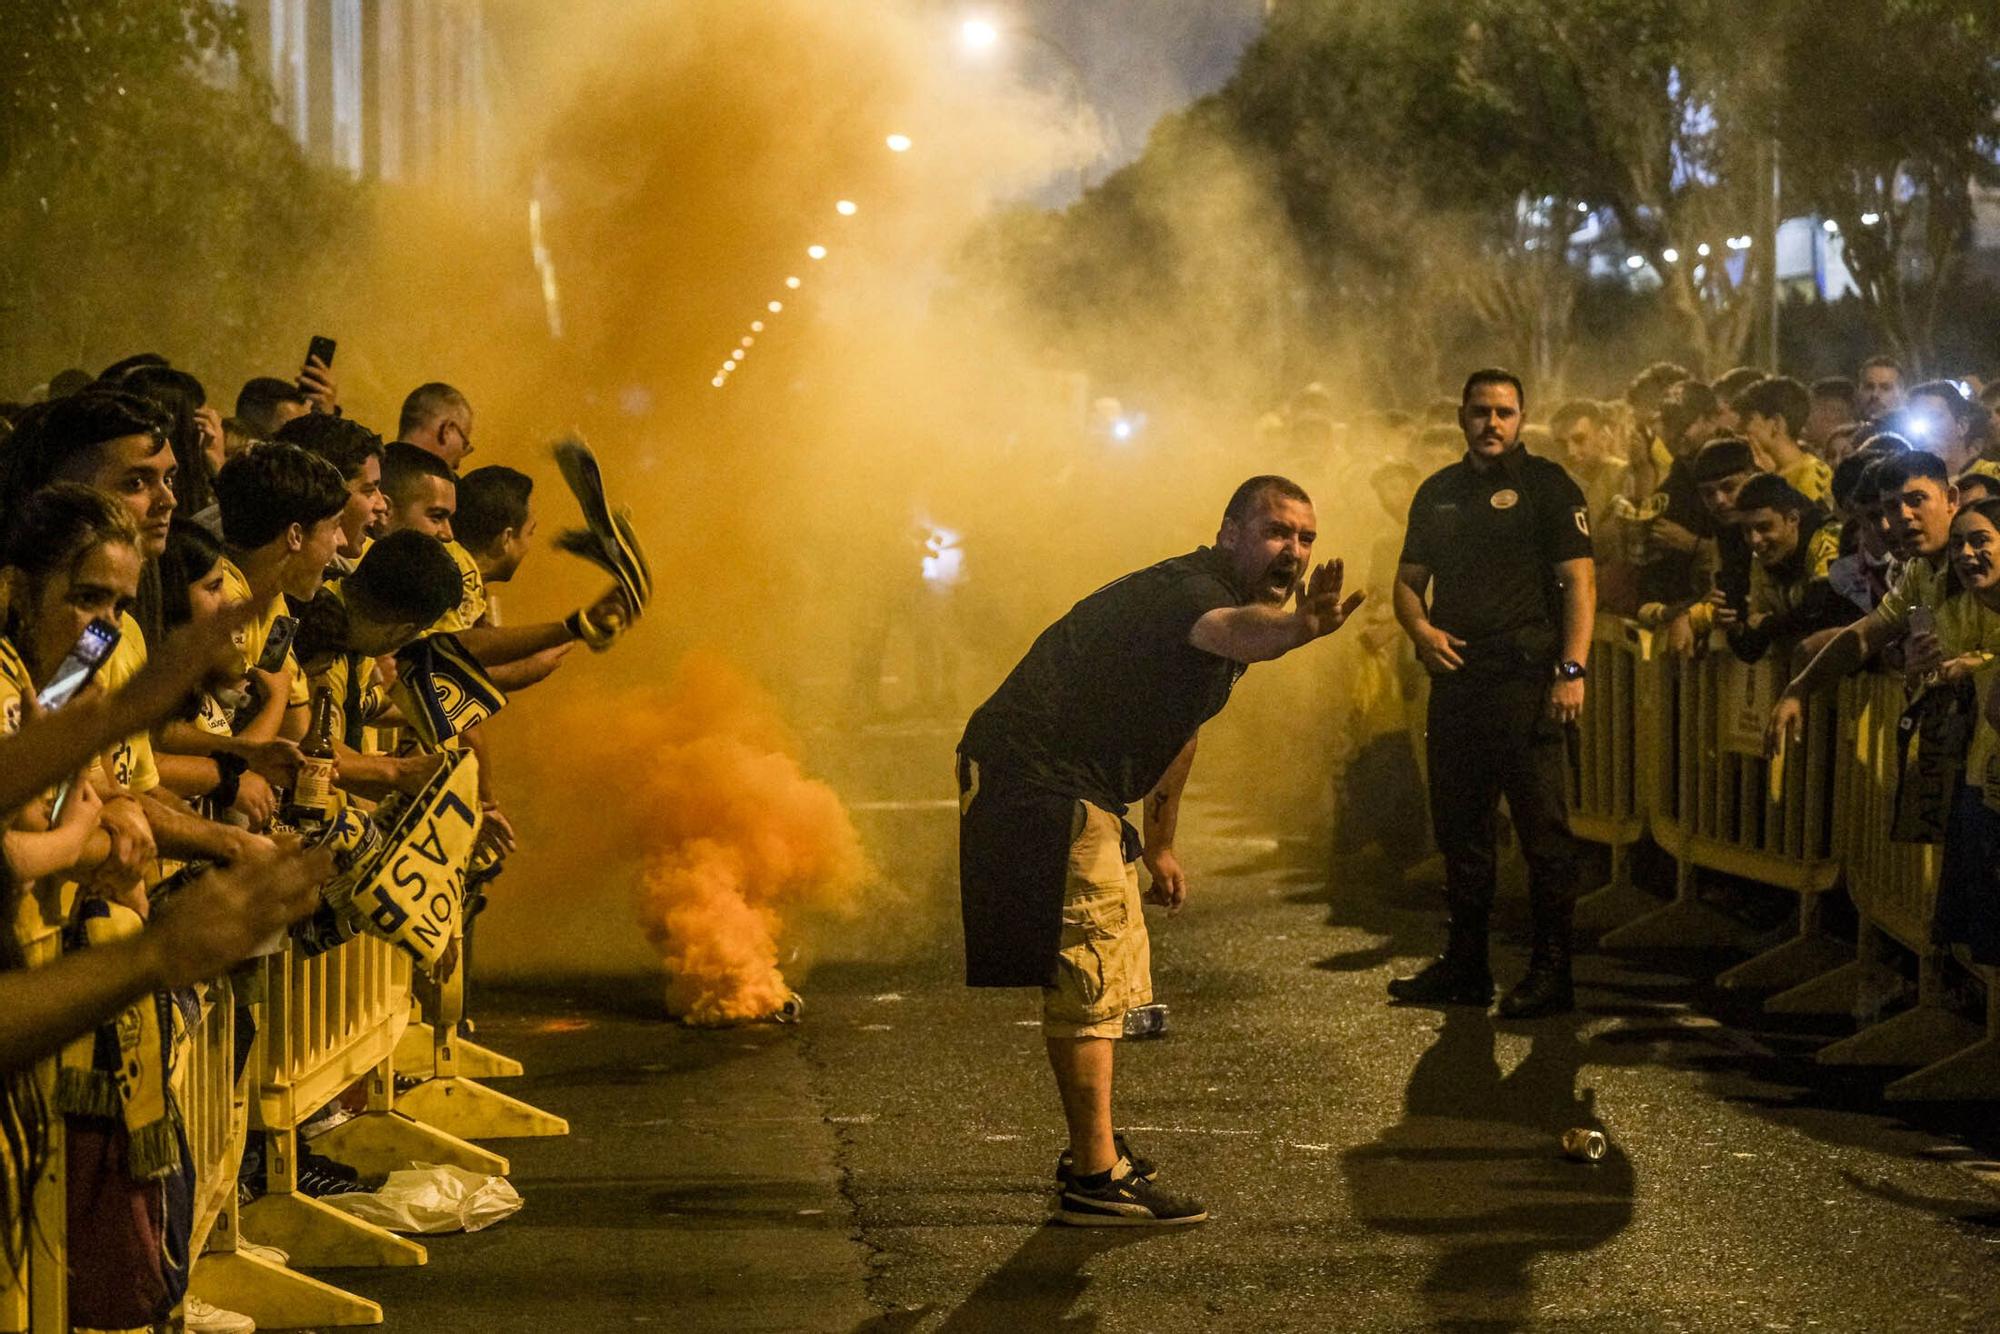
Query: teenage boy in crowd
{"x": 1771, "y": 414}
{"x": 1792, "y": 542}
{"x": 1919, "y": 502}
{"x": 356, "y": 452}
{"x": 282, "y": 510}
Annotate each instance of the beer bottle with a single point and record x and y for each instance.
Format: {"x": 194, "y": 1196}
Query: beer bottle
{"x": 311, "y": 804}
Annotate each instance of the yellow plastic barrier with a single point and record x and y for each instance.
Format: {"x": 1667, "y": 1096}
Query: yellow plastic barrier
{"x": 1716, "y": 802}
{"x": 447, "y": 1096}
{"x": 1611, "y": 790}
{"x": 326, "y": 1023}
{"x": 1894, "y": 888}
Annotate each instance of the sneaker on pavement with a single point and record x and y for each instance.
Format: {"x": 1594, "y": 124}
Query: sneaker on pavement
{"x": 1125, "y": 1201}
{"x": 1142, "y": 1167}
{"x": 205, "y": 1319}
{"x": 268, "y": 1254}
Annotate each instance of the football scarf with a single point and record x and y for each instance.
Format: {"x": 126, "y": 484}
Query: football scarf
{"x": 442, "y": 690}
{"x": 607, "y": 540}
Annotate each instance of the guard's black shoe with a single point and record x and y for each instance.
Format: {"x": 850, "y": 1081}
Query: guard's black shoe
{"x": 1543, "y": 991}
{"x": 1142, "y": 1167}
{"x": 1125, "y": 1201}
{"x": 1444, "y": 981}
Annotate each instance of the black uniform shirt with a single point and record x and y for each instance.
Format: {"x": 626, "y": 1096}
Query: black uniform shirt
{"x": 1109, "y": 694}
{"x": 1491, "y": 539}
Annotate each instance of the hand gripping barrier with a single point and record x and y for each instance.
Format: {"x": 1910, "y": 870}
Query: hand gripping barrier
{"x": 1716, "y": 802}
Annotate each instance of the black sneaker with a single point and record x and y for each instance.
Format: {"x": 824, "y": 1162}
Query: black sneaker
{"x": 1143, "y": 1167}
{"x": 1125, "y": 1201}
{"x": 320, "y": 1176}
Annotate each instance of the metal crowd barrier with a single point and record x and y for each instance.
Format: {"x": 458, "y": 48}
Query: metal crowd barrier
{"x": 1690, "y": 735}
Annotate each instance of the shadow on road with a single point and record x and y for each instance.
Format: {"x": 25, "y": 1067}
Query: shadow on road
{"x": 1475, "y": 1169}
{"x": 1038, "y": 1286}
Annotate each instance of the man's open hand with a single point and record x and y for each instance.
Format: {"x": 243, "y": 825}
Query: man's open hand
{"x": 1320, "y": 603}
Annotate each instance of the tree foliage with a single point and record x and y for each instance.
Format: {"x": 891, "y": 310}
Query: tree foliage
{"x": 1425, "y": 160}
{"x": 147, "y": 198}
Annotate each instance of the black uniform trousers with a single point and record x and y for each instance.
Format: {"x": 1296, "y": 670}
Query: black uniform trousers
{"x": 1488, "y": 737}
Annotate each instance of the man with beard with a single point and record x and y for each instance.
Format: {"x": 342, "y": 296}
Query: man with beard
{"x": 1101, "y": 713}
{"x": 1500, "y": 543}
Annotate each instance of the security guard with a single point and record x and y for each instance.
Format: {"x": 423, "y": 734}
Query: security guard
{"x": 1500, "y": 541}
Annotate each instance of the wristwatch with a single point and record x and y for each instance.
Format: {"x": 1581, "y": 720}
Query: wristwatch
{"x": 1570, "y": 671}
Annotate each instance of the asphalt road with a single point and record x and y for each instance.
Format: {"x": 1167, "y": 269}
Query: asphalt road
{"x": 886, "y": 1165}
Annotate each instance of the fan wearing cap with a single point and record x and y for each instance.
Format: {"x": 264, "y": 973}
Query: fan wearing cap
{"x": 1497, "y": 589}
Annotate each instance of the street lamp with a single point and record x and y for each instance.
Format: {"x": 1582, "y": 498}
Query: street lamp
{"x": 981, "y": 35}
{"x": 898, "y": 143}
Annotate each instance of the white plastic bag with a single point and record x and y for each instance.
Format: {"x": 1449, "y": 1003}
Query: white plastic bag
{"x": 429, "y": 1198}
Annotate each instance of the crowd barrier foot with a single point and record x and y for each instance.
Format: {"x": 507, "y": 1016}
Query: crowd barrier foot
{"x": 1604, "y": 910}
{"x": 460, "y": 1107}
{"x": 1924, "y": 1035}
{"x": 319, "y": 1236}
{"x": 1843, "y": 991}
{"x": 377, "y": 1143}
{"x": 275, "y": 1296}
{"x": 416, "y": 1055}
{"x": 1798, "y": 960}
{"x": 1684, "y": 924}
{"x": 1972, "y": 1075}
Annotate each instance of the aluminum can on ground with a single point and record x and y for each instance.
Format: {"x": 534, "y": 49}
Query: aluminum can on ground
{"x": 1585, "y": 1145}
{"x": 1146, "y": 1021}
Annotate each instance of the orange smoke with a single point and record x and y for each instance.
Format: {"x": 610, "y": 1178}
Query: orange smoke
{"x": 737, "y": 846}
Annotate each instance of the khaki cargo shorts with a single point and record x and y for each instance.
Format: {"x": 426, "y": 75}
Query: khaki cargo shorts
{"x": 1105, "y": 965}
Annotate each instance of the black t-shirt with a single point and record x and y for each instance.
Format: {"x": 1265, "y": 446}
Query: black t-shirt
{"x": 1109, "y": 694}
{"x": 1668, "y": 576}
{"x": 1491, "y": 538}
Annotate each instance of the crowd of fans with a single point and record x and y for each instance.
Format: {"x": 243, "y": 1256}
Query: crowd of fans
{"x": 227, "y": 585}
{"x": 1828, "y": 528}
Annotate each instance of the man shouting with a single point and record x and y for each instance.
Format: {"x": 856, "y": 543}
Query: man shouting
{"x": 1101, "y": 713}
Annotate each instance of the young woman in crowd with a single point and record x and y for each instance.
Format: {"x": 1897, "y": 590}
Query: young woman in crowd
{"x": 1964, "y": 650}
{"x": 70, "y": 557}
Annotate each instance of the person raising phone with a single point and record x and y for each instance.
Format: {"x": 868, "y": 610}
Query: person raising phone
{"x": 69, "y": 566}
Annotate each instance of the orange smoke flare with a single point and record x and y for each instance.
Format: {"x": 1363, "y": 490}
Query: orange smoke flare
{"x": 737, "y": 846}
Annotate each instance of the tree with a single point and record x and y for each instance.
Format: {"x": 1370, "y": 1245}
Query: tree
{"x": 147, "y": 199}
{"x": 1890, "y": 114}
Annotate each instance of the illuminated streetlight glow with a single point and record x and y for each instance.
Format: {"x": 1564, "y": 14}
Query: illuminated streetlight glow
{"x": 898, "y": 143}
{"x": 1635, "y": 261}
{"x": 978, "y": 34}
{"x": 775, "y": 307}
{"x": 747, "y": 340}
{"x": 846, "y": 208}
{"x": 1671, "y": 255}
{"x": 1870, "y": 219}
{"x": 756, "y": 326}
{"x": 1831, "y": 226}
{"x": 815, "y": 252}
{"x": 792, "y": 283}
{"x": 717, "y": 382}
{"x": 1702, "y": 250}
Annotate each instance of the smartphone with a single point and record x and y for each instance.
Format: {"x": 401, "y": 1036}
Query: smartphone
{"x": 321, "y": 347}
{"x": 1923, "y": 621}
{"x": 91, "y": 650}
{"x": 278, "y": 643}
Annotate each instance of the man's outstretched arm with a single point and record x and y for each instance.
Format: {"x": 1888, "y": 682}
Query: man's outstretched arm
{"x": 1260, "y": 632}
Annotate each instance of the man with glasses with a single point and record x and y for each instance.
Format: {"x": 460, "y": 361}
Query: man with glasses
{"x": 436, "y": 417}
